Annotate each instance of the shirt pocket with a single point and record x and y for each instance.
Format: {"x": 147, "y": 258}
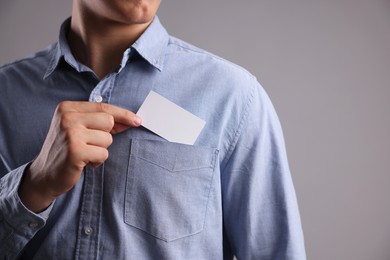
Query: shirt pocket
{"x": 168, "y": 187}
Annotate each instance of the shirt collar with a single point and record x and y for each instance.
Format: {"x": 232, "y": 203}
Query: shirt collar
{"x": 151, "y": 46}
{"x": 62, "y": 50}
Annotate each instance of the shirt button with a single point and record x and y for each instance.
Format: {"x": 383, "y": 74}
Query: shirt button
{"x": 98, "y": 99}
{"x": 88, "y": 231}
{"x": 33, "y": 225}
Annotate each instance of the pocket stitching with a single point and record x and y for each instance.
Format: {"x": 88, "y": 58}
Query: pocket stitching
{"x": 175, "y": 170}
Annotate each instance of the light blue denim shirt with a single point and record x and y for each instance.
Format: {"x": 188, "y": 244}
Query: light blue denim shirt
{"x": 229, "y": 194}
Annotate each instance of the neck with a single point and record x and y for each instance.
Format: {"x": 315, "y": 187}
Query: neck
{"x": 99, "y": 43}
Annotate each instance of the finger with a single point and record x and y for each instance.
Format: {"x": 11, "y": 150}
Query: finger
{"x": 97, "y": 138}
{"x": 121, "y": 116}
{"x": 97, "y": 121}
{"x": 93, "y": 155}
{"x": 123, "y": 119}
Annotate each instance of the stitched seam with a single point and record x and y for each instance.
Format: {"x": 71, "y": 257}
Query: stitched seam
{"x": 238, "y": 131}
{"x": 166, "y": 168}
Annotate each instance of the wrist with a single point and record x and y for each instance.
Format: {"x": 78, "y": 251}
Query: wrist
{"x": 32, "y": 193}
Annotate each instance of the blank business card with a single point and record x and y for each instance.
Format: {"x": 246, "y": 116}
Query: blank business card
{"x": 169, "y": 120}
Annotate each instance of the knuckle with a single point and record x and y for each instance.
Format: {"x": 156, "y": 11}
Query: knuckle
{"x": 63, "y": 106}
{"x": 102, "y": 156}
{"x": 109, "y": 139}
{"x": 72, "y": 135}
{"x": 103, "y": 107}
{"x": 110, "y": 121}
{"x": 74, "y": 149}
{"x": 66, "y": 119}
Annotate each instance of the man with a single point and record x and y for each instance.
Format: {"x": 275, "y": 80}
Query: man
{"x": 82, "y": 179}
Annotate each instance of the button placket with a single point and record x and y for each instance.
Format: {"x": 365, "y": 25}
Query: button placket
{"x": 88, "y": 239}
{"x": 101, "y": 91}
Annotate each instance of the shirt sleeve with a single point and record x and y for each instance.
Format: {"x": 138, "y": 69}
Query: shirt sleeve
{"x": 261, "y": 217}
{"x": 18, "y": 225}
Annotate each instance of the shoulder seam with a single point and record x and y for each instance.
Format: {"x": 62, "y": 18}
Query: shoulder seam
{"x": 238, "y": 132}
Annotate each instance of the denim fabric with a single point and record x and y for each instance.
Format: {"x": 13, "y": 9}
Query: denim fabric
{"x": 229, "y": 194}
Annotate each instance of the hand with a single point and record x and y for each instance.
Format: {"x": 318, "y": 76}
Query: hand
{"x": 79, "y": 135}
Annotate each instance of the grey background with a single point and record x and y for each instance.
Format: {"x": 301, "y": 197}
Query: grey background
{"x": 326, "y": 66}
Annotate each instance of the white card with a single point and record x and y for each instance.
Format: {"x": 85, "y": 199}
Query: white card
{"x": 169, "y": 120}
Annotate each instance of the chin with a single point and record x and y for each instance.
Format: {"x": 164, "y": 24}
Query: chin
{"x": 137, "y": 17}
{"x": 141, "y": 13}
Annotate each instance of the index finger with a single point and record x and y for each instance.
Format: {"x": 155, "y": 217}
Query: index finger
{"x": 122, "y": 117}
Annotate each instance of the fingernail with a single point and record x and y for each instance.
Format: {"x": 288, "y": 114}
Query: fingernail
{"x": 137, "y": 120}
